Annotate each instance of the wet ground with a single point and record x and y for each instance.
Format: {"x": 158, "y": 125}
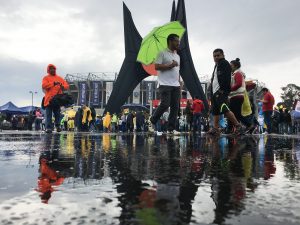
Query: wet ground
{"x": 72, "y": 178}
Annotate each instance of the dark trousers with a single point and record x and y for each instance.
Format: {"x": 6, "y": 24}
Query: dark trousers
{"x": 197, "y": 122}
{"x": 267, "y": 119}
{"x": 169, "y": 98}
{"x": 235, "y": 106}
{"x": 49, "y": 112}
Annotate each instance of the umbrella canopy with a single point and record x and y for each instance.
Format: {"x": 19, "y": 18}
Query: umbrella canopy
{"x": 10, "y": 108}
{"x": 135, "y": 107}
{"x": 156, "y": 41}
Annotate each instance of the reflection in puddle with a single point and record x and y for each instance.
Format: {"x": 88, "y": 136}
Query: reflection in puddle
{"x": 141, "y": 179}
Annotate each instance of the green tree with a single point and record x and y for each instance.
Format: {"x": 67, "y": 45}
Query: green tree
{"x": 289, "y": 94}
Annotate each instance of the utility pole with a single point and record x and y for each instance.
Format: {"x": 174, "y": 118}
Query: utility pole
{"x": 31, "y": 92}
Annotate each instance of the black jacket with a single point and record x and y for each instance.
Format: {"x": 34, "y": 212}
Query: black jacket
{"x": 224, "y": 76}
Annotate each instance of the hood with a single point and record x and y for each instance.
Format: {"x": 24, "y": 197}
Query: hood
{"x": 50, "y": 65}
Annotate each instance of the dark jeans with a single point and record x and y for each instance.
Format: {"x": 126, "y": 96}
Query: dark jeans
{"x": 197, "y": 122}
{"x": 49, "y": 112}
{"x": 267, "y": 119}
{"x": 169, "y": 98}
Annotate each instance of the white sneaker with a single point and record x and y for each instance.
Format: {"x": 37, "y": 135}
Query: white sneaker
{"x": 174, "y": 132}
{"x": 159, "y": 133}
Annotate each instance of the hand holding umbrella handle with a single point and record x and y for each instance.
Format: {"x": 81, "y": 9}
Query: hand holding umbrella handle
{"x": 173, "y": 64}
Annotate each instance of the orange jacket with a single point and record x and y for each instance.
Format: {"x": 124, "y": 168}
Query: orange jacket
{"x": 49, "y": 88}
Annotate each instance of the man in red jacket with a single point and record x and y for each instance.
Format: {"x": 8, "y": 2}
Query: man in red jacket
{"x": 52, "y": 85}
{"x": 267, "y": 108}
{"x": 197, "y": 108}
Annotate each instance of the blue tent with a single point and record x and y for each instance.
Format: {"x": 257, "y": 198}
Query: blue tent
{"x": 10, "y": 108}
{"x": 28, "y": 109}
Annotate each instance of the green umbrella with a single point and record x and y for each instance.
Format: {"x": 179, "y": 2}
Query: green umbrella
{"x": 156, "y": 41}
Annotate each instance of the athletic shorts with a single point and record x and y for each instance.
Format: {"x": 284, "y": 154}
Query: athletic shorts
{"x": 219, "y": 104}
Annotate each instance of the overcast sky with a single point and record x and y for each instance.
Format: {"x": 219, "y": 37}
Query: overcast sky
{"x": 87, "y": 36}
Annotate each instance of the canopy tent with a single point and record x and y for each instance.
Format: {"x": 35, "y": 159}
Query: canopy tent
{"x": 11, "y": 109}
{"x": 28, "y": 109}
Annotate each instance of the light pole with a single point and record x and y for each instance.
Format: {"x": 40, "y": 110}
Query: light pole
{"x": 31, "y": 92}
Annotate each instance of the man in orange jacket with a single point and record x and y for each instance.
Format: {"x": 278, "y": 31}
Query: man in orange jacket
{"x": 52, "y": 85}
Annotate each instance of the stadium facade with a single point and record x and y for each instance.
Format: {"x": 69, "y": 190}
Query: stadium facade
{"x": 94, "y": 89}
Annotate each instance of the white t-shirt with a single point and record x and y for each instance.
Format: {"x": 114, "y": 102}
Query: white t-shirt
{"x": 168, "y": 77}
{"x": 215, "y": 84}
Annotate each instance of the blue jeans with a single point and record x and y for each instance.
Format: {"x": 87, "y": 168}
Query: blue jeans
{"x": 197, "y": 122}
{"x": 267, "y": 119}
{"x": 49, "y": 112}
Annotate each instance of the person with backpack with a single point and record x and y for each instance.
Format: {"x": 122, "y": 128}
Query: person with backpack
{"x": 52, "y": 85}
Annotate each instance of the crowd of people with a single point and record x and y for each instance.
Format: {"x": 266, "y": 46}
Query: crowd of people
{"x": 231, "y": 110}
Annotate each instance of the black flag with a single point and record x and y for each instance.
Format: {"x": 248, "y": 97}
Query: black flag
{"x": 132, "y": 72}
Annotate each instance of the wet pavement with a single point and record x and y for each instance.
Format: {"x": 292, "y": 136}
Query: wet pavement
{"x": 85, "y": 178}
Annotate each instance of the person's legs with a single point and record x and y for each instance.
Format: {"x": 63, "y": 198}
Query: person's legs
{"x": 230, "y": 116}
{"x": 174, "y": 107}
{"x": 165, "y": 96}
{"x": 267, "y": 119}
{"x": 236, "y": 108}
{"x": 56, "y": 112}
{"x": 49, "y": 118}
{"x": 196, "y": 122}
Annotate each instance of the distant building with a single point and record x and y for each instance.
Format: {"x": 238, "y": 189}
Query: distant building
{"x": 94, "y": 89}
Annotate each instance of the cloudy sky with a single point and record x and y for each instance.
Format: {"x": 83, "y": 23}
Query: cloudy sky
{"x": 87, "y": 36}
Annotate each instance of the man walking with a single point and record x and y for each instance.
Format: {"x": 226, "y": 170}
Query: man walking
{"x": 267, "y": 107}
{"x": 52, "y": 85}
{"x": 220, "y": 89}
{"x": 168, "y": 64}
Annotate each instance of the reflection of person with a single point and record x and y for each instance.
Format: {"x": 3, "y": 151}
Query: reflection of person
{"x": 48, "y": 178}
{"x": 52, "y": 85}
{"x": 168, "y": 63}
{"x": 269, "y": 165}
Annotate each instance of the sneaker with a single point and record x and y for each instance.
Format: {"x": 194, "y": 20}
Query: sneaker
{"x": 58, "y": 129}
{"x": 158, "y": 133}
{"x": 48, "y": 131}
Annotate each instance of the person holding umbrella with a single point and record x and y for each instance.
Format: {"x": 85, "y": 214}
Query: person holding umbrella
{"x": 167, "y": 64}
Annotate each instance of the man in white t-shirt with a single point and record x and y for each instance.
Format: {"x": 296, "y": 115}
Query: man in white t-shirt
{"x": 168, "y": 64}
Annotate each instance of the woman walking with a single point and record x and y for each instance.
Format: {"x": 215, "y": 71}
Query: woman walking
{"x": 238, "y": 89}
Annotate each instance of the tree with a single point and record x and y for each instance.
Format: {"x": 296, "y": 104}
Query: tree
{"x": 289, "y": 94}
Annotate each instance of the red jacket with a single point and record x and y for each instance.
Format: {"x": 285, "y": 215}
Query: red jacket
{"x": 49, "y": 88}
{"x": 197, "y": 106}
{"x": 268, "y": 106}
